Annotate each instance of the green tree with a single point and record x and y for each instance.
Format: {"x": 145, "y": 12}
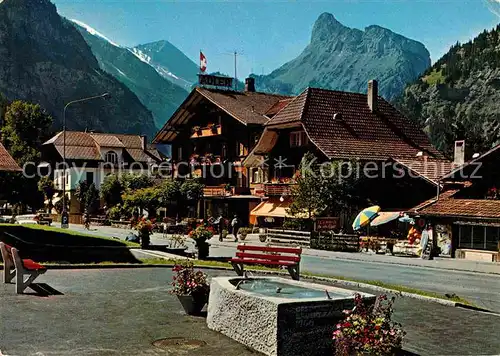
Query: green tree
{"x": 92, "y": 201}
{"x": 131, "y": 182}
{"x": 112, "y": 190}
{"x": 88, "y": 196}
{"x": 24, "y": 128}
{"x": 323, "y": 188}
{"x": 306, "y": 193}
{"x": 47, "y": 187}
{"x": 143, "y": 199}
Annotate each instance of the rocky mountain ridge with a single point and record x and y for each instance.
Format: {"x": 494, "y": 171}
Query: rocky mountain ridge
{"x": 343, "y": 58}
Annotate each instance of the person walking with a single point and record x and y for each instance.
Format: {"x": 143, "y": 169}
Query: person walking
{"x": 219, "y": 222}
{"x": 235, "y": 224}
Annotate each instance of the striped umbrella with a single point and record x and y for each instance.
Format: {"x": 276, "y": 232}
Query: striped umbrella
{"x": 385, "y": 217}
{"x": 365, "y": 216}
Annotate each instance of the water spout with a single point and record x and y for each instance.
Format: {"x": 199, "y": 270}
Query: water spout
{"x": 238, "y": 284}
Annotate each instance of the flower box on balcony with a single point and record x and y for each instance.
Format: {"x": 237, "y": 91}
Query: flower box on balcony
{"x": 214, "y": 130}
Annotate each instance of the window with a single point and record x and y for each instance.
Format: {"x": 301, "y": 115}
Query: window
{"x": 298, "y": 139}
{"x": 90, "y": 177}
{"x": 111, "y": 157}
{"x": 224, "y": 151}
{"x": 478, "y": 237}
{"x": 240, "y": 149}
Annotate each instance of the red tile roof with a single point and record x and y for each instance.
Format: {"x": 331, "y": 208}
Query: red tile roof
{"x": 85, "y": 146}
{"x": 465, "y": 208}
{"x": 276, "y": 108}
{"x": 247, "y": 107}
{"x": 342, "y": 126}
{"x": 7, "y": 163}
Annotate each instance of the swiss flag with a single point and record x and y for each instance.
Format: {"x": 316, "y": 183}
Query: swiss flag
{"x": 203, "y": 62}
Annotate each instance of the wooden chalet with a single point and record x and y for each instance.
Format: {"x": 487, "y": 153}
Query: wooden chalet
{"x": 210, "y": 134}
{"x": 337, "y": 125}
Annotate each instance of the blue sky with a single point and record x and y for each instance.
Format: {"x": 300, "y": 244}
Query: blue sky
{"x": 269, "y": 33}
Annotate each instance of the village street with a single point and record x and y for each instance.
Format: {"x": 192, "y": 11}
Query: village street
{"x": 440, "y": 276}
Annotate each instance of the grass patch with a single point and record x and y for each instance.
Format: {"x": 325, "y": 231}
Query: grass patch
{"x": 59, "y": 236}
{"x": 435, "y": 77}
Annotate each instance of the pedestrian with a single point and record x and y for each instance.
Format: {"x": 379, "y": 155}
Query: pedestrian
{"x": 219, "y": 222}
{"x": 235, "y": 224}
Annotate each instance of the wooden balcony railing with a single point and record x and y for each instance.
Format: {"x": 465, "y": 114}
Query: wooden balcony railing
{"x": 274, "y": 189}
{"x": 207, "y": 131}
{"x": 221, "y": 191}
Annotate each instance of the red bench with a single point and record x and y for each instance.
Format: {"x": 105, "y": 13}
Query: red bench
{"x": 288, "y": 257}
{"x": 14, "y": 266}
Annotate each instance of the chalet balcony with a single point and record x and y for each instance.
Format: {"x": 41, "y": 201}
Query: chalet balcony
{"x": 224, "y": 191}
{"x": 209, "y": 131}
{"x": 278, "y": 189}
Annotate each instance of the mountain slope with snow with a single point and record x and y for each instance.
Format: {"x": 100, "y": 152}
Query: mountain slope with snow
{"x": 169, "y": 62}
{"x": 45, "y": 60}
{"x": 159, "y": 95}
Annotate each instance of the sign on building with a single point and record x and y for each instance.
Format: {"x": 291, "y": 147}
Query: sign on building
{"x": 215, "y": 81}
{"x": 326, "y": 224}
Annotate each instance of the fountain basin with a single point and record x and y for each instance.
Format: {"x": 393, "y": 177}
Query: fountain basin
{"x": 278, "y": 316}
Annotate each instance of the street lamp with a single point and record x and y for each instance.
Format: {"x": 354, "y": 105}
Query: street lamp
{"x": 64, "y": 215}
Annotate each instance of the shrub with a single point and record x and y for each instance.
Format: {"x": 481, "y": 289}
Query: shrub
{"x": 368, "y": 329}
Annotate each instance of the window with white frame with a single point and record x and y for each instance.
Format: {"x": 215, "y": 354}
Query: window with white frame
{"x": 111, "y": 157}
{"x": 298, "y": 139}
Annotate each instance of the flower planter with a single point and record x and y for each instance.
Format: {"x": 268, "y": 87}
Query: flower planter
{"x": 243, "y": 236}
{"x": 193, "y": 304}
{"x": 203, "y": 250}
{"x": 262, "y": 237}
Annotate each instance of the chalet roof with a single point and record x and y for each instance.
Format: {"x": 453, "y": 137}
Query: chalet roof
{"x": 429, "y": 168}
{"x": 276, "y": 108}
{"x": 7, "y": 163}
{"x": 249, "y": 108}
{"x": 86, "y": 146}
{"x": 448, "y": 206}
{"x": 342, "y": 126}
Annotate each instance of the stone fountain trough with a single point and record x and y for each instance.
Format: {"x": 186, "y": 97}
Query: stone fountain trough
{"x": 278, "y": 316}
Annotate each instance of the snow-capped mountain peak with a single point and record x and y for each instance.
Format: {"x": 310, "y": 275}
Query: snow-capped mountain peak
{"x": 94, "y": 32}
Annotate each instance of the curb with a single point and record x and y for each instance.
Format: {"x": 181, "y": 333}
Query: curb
{"x": 305, "y": 250}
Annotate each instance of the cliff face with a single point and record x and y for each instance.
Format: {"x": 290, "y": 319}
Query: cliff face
{"x": 342, "y": 58}
{"x": 158, "y": 94}
{"x": 45, "y": 60}
{"x": 457, "y": 98}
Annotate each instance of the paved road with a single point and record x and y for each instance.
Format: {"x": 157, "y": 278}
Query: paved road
{"x": 483, "y": 289}
{"x": 480, "y": 288}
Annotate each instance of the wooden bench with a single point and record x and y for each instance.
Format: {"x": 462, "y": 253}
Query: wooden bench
{"x": 14, "y": 266}
{"x": 288, "y": 257}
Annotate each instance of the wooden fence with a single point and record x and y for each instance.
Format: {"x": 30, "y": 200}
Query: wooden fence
{"x": 289, "y": 237}
{"x": 333, "y": 242}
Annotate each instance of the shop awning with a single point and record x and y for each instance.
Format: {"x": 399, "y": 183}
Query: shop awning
{"x": 275, "y": 208}
{"x": 272, "y": 207}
